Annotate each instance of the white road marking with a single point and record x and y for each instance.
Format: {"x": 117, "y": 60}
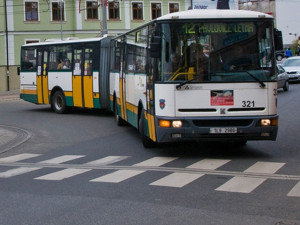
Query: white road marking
{"x": 118, "y": 176}
{"x": 295, "y": 192}
{"x": 107, "y": 160}
{"x": 176, "y": 180}
{"x": 248, "y": 184}
{"x": 156, "y": 161}
{"x": 182, "y": 179}
{"x": 18, "y": 171}
{"x": 19, "y": 157}
{"x": 62, "y": 174}
{"x": 62, "y": 159}
{"x": 208, "y": 164}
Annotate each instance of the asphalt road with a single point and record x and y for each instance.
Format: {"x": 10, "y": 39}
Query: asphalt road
{"x": 81, "y": 168}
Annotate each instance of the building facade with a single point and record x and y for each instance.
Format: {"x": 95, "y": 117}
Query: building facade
{"x": 27, "y": 21}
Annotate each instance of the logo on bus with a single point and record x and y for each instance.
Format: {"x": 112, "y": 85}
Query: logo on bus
{"x": 162, "y": 103}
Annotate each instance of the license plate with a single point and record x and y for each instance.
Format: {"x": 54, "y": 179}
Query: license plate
{"x": 223, "y": 130}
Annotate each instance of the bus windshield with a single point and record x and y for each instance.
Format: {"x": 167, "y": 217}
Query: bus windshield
{"x": 216, "y": 52}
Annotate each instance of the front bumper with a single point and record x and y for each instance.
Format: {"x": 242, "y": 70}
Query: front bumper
{"x": 199, "y": 129}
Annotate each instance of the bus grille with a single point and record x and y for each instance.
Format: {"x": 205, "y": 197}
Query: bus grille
{"x": 222, "y": 123}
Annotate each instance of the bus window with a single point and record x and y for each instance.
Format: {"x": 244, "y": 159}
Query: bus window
{"x": 28, "y": 61}
{"x": 88, "y": 61}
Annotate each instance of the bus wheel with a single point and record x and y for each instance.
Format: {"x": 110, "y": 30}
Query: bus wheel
{"x": 147, "y": 142}
{"x": 118, "y": 119}
{"x": 58, "y": 102}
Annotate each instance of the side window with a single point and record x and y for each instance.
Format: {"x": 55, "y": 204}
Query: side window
{"x": 77, "y": 61}
{"x": 88, "y": 62}
{"x": 28, "y": 61}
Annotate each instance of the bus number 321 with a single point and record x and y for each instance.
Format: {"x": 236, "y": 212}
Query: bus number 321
{"x": 248, "y": 104}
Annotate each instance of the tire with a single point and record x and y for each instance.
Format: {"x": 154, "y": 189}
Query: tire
{"x": 147, "y": 142}
{"x": 286, "y": 86}
{"x": 118, "y": 119}
{"x": 58, "y": 102}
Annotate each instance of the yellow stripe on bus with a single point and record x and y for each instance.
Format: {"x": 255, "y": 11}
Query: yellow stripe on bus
{"x": 132, "y": 108}
{"x": 151, "y": 127}
{"x": 88, "y": 91}
{"x": 29, "y": 92}
{"x": 77, "y": 91}
{"x": 45, "y": 90}
{"x": 39, "y": 89}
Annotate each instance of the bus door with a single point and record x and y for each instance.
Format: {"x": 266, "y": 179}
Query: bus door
{"x": 122, "y": 81}
{"x": 83, "y": 77}
{"x": 42, "y": 77}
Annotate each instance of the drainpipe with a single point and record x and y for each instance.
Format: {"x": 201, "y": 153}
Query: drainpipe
{"x": 6, "y": 35}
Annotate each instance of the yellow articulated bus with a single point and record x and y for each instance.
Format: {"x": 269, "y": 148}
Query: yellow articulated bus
{"x": 191, "y": 75}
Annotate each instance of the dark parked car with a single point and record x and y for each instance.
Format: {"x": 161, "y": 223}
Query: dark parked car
{"x": 280, "y": 55}
{"x": 282, "y": 78}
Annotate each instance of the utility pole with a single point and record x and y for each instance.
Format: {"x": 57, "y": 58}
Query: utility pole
{"x": 6, "y": 36}
{"x": 104, "y": 21}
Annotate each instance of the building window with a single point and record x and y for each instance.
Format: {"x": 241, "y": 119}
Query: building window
{"x": 155, "y": 10}
{"x": 137, "y": 11}
{"x": 31, "y": 41}
{"x": 173, "y": 7}
{"x": 58, "y": 9}
{"x": 92, "y": 10}
{"x": 113, "y": 10}
{"x": 31, "y": 11}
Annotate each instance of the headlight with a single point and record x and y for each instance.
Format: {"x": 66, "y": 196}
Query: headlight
{"x": 176, "y": 123}
{"x": 265, "y": 122}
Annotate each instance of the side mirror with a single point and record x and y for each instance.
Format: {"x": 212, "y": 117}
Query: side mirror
{"x": 155, "y": 47}
{"x": 278, "y": 39}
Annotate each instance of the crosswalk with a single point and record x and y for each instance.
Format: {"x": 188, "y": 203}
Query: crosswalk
{"x": 238, "y": 182}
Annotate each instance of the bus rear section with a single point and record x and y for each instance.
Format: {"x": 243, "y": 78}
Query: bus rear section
{"x": 65, "y": 74}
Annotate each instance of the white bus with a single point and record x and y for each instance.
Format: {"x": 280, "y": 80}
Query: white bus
{"x": 192, "y": 75}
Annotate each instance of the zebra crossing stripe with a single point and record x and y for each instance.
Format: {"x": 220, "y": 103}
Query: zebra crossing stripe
{"x": 156, "y": 161}
{"x": 62, "y": 174}
{"x": 18, "y": 171}
{"x": 248, "y": 184}
{"x": 19, "y": 157}
{"x": 122, "y": 175}
{"x": 62, "y": 159}
{"x": 107, "y": 160}
{"x": 176, "y": 180}
{"x": 181, "y": 179}
{"x": 295, "y": 192}
{"x": 118, "y": 176}
{"x": 208, "y": 164}
{"x": 22, "y": 170}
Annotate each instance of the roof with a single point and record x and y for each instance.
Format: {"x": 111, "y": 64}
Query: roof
{"x": 68, "y": 41}
{"x": 214, "y": 14}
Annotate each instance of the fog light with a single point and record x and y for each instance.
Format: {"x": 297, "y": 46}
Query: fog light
{"x": 164, "y": 123}
{"x": 176, "y": 123}
{"x": 265, "y": 122}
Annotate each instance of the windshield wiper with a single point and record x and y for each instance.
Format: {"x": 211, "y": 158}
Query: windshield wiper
{"x": 178, "y": 86}
{"x": 255, "y": 78}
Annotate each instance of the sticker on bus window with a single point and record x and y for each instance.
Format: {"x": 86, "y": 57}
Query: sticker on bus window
{"x": 221, "y": 97}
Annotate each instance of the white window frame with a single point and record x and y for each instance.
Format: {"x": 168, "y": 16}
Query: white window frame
{"x": 132, "y": 9}
{"x": 37, "y": 1}
{"x": 173, "y": 3}
{"x": 86, "y": 10}
{"x": 65, "y": 6}
{"x": 161, "y": 9}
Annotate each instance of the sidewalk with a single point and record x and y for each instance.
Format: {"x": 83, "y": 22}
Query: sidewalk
{"x": 10, "y": 95}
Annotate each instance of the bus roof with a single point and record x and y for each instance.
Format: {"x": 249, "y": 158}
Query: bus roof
{"x": 214, "y": 14}
{"x": 67, "y": 41}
